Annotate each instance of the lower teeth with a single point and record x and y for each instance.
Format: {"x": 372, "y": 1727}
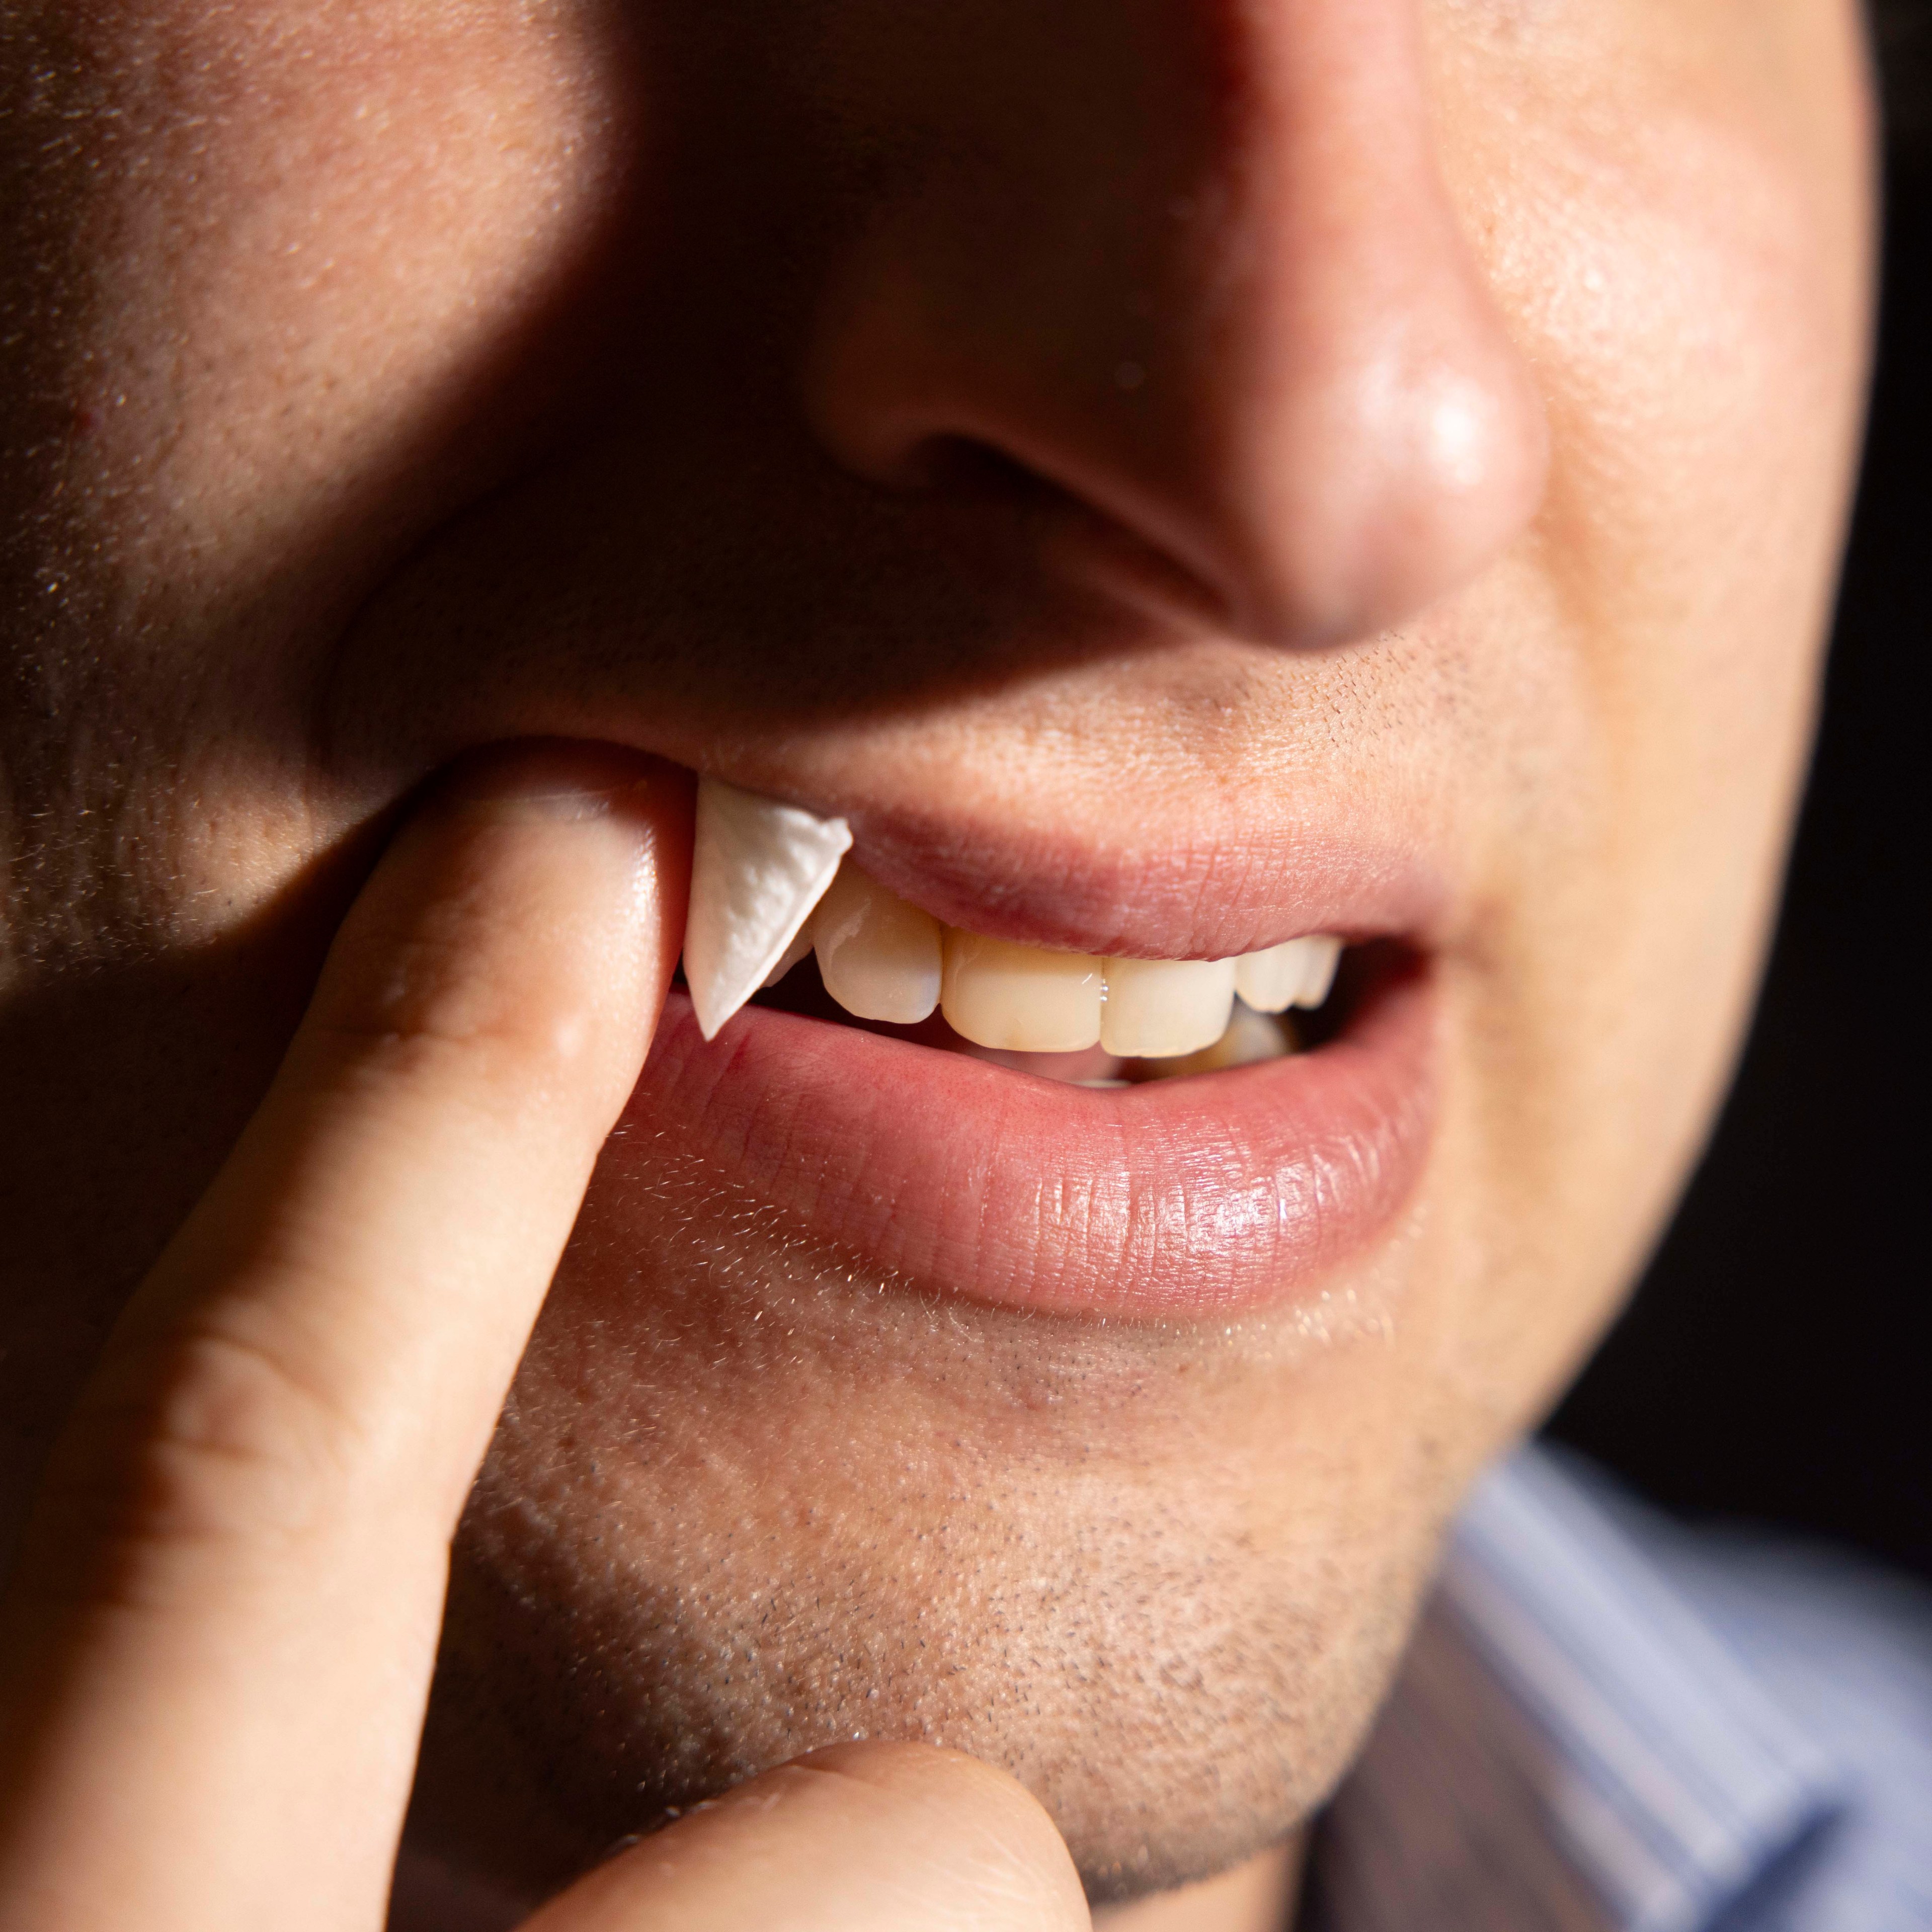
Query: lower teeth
{"x": 1250, "y": 1037}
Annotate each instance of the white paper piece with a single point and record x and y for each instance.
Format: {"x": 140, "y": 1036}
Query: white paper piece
{"x": 793, "y": 956}
{"x": 757, "y": 869}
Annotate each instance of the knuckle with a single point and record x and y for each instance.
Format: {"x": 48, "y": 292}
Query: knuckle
{"x": 471, "y": 1045}
{"x": 442, "y": 990}
{"x": 221, "y": 1453}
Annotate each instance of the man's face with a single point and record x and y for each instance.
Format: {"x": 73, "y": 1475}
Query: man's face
{"x": 1174, "y": 477}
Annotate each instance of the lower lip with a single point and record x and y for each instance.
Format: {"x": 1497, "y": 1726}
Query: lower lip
{"x": 1178, "y": 1200}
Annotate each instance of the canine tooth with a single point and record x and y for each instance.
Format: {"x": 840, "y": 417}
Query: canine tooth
{"x": 1324, "y": 955}
{"x": 757, "y": 869}
{"x": 1251, "y": 1036}
{"x": 1161, "y": 1009}
{"x": 879, "y": 957}
{"x": 1270, "y": 981}
{"x": 1020, "y": 998}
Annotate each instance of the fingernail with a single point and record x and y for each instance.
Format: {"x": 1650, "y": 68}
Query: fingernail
{"x": 551, "y": 780}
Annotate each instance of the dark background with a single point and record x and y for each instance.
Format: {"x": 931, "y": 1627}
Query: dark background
{"x": 1777, "y": 1362}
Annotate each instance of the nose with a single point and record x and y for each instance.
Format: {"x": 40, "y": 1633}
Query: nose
{"x": 1194, "y": 265}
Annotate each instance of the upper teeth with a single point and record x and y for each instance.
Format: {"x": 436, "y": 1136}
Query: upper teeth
{"x": 879, "y": 957}
{"x": 1159, "y": 1009}
{"x": 767, "y": 885}
{"x": 1297, "y": 973}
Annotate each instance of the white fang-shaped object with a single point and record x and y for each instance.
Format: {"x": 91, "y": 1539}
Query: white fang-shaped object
{"x": 757, "y": 869}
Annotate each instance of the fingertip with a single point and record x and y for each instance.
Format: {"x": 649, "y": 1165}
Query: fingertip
{"x": 533, "y": 900}
{"x": 1021, "y": 1862}
{"x": 867, "y": 1836}
{"x": 564, "y": 778}
{"x": 952, "y": 1784}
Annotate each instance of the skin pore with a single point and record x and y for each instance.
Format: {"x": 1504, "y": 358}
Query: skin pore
{"x": 1109, "y": 452}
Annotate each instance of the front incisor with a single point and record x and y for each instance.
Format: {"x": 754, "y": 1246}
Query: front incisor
{"x": 1159, "y": 1009}
{"x": 1020, "y": 999}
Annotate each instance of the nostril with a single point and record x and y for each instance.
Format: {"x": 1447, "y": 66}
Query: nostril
{"x": 1072, "y": 533}
{"x": 965, "y": 466}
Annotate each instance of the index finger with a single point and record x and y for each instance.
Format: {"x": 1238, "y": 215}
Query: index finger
{"x": 231, "y": 1590}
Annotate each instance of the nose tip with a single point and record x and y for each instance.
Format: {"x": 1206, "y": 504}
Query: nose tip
{"x": 1384, "y": 443}
{"x": 1228, "y": 306}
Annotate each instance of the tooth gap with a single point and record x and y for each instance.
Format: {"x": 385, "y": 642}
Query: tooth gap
{"x": 965, "y": 466}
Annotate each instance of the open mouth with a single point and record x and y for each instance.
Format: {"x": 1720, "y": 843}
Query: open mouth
{"x": 1065, "y": 1133}
{"x": 863, "y": 957}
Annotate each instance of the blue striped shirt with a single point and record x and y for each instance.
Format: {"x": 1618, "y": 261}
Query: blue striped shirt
{"x": 1608, "y": 1723}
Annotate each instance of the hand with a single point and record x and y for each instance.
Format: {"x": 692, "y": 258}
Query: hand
{"x": 216, "y": 1646}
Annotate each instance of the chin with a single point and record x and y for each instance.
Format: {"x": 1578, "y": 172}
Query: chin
{"x": 751, "y": 1497}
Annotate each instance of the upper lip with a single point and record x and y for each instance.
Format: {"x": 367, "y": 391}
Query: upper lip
{"x": 1088, "y": 889}
{"x": 1221, "y": 874}
{"x": 1195, "y": 851}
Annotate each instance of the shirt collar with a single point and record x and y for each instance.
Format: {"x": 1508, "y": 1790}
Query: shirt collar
{"x": 1569, "y": 1745}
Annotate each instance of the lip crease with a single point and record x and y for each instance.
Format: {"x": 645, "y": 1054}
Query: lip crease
{"x": 1179, "y": 1201}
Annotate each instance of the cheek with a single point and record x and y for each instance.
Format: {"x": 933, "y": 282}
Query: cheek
{"x": 1683, "y": 247}
{"x": 1705, "y": 297}
{"x": 1683, "y": 259}
{"x": 314, "y": 239}
{"x": 1673, "y": 205}
{"x": 303, "y": 280}
{"x": 1705, "y": 336}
